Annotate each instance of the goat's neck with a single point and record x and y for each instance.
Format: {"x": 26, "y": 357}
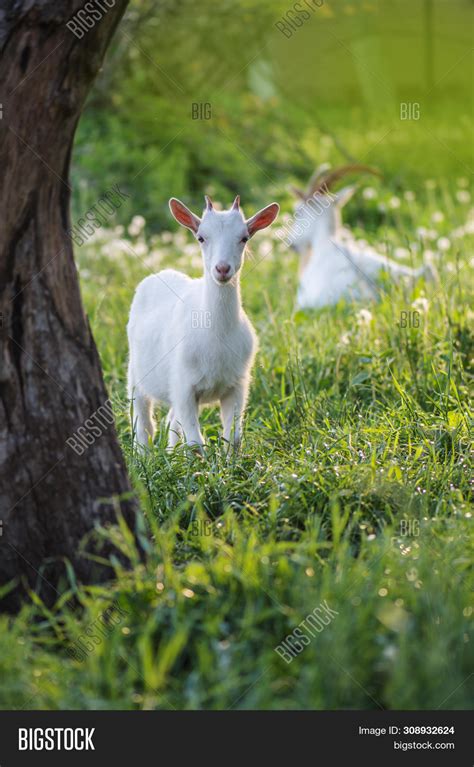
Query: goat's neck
{"x": 326, "y": 231}
{"x": 319, "y": 246}
{"x": 322, "y": 241}
{"x": 222, "y": 301}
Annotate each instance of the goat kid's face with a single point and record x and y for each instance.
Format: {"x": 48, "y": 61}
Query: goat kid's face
{"x": 222, "y": 235}
{"x": 317, "y": 216}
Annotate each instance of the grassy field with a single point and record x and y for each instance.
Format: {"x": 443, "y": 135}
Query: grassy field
{"x": 350, "y": 492}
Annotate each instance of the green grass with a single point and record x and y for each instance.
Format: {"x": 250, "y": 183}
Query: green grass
{"x": 351, "y": 489}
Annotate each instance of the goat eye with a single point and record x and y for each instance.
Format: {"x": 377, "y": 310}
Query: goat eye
{"x": 244, "y": 239}
{"x": 200, "y": 239}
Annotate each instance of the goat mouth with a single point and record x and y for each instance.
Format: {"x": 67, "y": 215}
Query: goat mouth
{"x": 223, "y": 280}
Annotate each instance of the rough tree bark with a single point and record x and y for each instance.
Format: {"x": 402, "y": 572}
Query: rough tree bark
{"x": 50, "y": 374}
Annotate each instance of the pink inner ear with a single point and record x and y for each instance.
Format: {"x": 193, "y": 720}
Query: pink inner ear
{"x": 262, "y": 219}
{"x": 183, "y": 215}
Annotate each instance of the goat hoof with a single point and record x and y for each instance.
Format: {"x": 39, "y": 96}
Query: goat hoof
{"x": 196, "y": 449}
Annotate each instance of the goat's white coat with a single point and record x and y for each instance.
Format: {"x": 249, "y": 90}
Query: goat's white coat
{"x": 190, "y": 340}
{"x": 337, "y": 267}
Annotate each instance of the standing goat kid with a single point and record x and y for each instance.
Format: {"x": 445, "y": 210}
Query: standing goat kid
{"x": 190, "y": 340}
{"x": 333, "y": 265}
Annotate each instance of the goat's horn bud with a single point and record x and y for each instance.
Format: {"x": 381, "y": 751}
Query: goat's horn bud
{"x": 209, "y": 204}
{"x": 236, "y": 203}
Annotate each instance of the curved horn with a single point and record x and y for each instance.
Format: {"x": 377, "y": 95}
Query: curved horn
{"x": 297, "y": 192}
{"x": 236, "y": 203}
{"x": 330, "y": 178}
{"x": 209, "y": 205}
{"x": 315, "y": 181}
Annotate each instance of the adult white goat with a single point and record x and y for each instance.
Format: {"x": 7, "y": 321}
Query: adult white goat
{"x": 333, "y": 265}
{"x": 190, "y": 340}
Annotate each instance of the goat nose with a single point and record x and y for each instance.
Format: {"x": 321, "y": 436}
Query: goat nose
{"x": 223, "y": 269}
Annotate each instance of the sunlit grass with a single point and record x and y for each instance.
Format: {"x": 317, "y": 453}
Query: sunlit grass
{"x": 352, "y": 487}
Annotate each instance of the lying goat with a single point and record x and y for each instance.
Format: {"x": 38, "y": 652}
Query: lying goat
{"x": 333, "y": 265}
{"x": 190, "y": 341}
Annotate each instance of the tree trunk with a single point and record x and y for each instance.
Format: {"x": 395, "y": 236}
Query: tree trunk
{"x": 51, "y": 383}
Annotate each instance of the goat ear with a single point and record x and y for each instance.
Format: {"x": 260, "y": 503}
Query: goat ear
{"x": 183, "y": 215}
{"x": 263, "y": 218}
{"x": 344, "y": 195}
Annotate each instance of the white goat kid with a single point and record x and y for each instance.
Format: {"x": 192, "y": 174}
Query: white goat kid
{"x": 190, "y": 340}
{"x": 333, "y": 265}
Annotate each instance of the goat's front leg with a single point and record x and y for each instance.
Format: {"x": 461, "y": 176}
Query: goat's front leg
{"x": 185, "y": 417}
{"x": 174, "y": 430}
{"x": 232, "y": 409}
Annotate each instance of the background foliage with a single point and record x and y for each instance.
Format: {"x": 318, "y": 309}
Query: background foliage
{"x": 279, "y": 106}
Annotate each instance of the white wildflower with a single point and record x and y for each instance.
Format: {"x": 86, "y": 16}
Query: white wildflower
{"x": 394, "y": 203}
{"x": 100, "y": 235}
{"x": 140, "y": 249}
{"x": 463, "y": 196}
{"x": 180, "y": 239}
{"x": 421, "y": 304}
{"x": 191, "y": 249}
{"x": 136, "y": 226}
{"x": 369, "y": 193}
{"x": 430, "y": 234}
{"x": 409, "y": 196}
{"x": 444, "y": 243}
{"x": 115, "y": 248}
{"x": 264, "y": 248}
{"x": 154, "y": 258}
{"x": 458, "y": 232}
{"x": 364, "y": 317}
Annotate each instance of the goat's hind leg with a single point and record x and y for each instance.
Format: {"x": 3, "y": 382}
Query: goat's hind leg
{"x": 143, "y": 424}
{"x": 143, "y": 418}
